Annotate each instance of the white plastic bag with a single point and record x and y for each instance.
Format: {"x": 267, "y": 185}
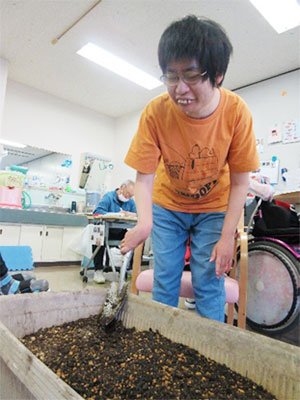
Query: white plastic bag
{"x": 82, "y": 244}
{"x": 117, "y": 256}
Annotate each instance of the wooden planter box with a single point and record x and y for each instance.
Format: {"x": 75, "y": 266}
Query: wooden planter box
{"x": 272, "y": 364}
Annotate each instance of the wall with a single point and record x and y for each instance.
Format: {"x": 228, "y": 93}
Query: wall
{"x": 3, "y": 81}
{"x": 125, "y": 128}
{"x": 267, "y": 105}
{"x": 41, "y": 120}
{"x": 274, "y": 101}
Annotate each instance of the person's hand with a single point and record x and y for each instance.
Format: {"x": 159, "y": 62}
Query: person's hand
{"x": 128, "y": 213}
{"x": 133, "y": 238}
{"x": 222, "y": 254}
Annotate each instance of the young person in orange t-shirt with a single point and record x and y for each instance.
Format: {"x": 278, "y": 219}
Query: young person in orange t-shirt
{"x": 193, "y": 151}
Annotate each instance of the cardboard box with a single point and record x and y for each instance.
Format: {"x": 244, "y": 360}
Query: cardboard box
{"x": 270, "y": 363}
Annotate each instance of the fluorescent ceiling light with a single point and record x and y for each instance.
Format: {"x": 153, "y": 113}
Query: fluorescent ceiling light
{"x": 282, "y": 15}
{"x": 118, "y": 66}
{"x": 13, "y": 144}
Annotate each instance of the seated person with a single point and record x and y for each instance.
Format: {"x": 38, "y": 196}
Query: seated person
{"x": 13, "y": 284}
{"x": 119, "y": 201}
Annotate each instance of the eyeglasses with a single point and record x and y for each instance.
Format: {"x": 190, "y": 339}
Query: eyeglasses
{"x": 127, "y": 194}
{"x": 189, "y": 77}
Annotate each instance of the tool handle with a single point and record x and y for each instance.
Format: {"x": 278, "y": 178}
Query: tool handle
{"x": 126, "y": 261}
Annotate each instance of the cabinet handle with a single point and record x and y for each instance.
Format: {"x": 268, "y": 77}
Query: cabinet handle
{"x": 41, "y": 232}
{"x": 47, "y": 233}
{"x": 0, "y": 231}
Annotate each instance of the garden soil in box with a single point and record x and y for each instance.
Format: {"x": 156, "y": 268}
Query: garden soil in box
{"x": 131, "y": 364}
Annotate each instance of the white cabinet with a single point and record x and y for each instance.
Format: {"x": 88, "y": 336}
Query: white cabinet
{"x": 9, "y": 234}
{"x": 48, "y": 243}
{"x": 33, "y": 235}
{"x": 71, "y": 233}
{"x": 52, "y": 243}
{"x": 45, "y": 241}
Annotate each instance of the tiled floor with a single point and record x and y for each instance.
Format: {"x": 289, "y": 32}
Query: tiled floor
{"x": 67, "y": 278}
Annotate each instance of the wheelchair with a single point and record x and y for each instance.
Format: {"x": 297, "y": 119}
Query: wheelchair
{"x": 273, "y": 274}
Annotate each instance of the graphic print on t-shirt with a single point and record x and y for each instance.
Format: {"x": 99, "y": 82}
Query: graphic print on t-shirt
{"x": 195, "y": 174}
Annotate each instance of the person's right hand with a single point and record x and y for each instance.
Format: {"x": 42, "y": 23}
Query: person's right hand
{"x": 133, "y": 238}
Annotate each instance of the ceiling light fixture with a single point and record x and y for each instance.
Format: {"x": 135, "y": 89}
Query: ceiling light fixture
{"x": 282, "y": 15}
{"x": 12, "y": 144}
{"x": 118, "y": 66}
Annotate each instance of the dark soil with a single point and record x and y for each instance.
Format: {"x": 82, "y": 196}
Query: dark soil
{"x": 129, "y": 364}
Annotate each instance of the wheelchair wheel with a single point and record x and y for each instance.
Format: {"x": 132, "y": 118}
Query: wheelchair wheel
{"x": 273, "y": 288}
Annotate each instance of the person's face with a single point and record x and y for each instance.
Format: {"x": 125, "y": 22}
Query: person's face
{"x": 193, "y": 99}
{"x": 127, "y": 191}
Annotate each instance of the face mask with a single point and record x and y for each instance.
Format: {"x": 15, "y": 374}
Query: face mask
{"x": 122, "y": 198}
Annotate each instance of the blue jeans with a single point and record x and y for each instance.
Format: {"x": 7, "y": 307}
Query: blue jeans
{"x": 170, "y": 233}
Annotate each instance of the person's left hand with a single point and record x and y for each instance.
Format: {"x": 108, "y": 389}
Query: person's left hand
{"x": 222, "y": 254}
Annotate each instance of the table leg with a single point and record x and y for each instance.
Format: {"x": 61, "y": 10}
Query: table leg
{"x": 84, "y": 278}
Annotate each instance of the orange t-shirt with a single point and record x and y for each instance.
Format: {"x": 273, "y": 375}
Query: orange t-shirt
{"x": 192, "y": 157}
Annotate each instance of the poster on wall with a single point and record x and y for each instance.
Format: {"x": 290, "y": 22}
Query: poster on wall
{"x": 274, "y": 134}
{"x": 290, "y": 132}
{"x": 94, "y": 173}
{"x": 260, "y": 145}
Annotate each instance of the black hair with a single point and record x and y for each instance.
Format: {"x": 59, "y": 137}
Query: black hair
{"x": 200, "y": 39}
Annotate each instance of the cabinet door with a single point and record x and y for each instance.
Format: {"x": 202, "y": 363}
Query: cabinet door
{"x": 52, "y": 243}
{"x": 9, "y": 235}
{"x": 32, "y": 235}
{"x": 70, "y": 234}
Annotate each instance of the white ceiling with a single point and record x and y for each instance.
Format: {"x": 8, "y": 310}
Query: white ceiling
{"x": 131, "y": 29}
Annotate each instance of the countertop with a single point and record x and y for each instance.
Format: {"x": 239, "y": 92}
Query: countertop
{"x": 19, "y": 216}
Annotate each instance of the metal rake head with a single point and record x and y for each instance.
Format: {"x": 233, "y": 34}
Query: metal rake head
{"x": 112, "y": 306}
